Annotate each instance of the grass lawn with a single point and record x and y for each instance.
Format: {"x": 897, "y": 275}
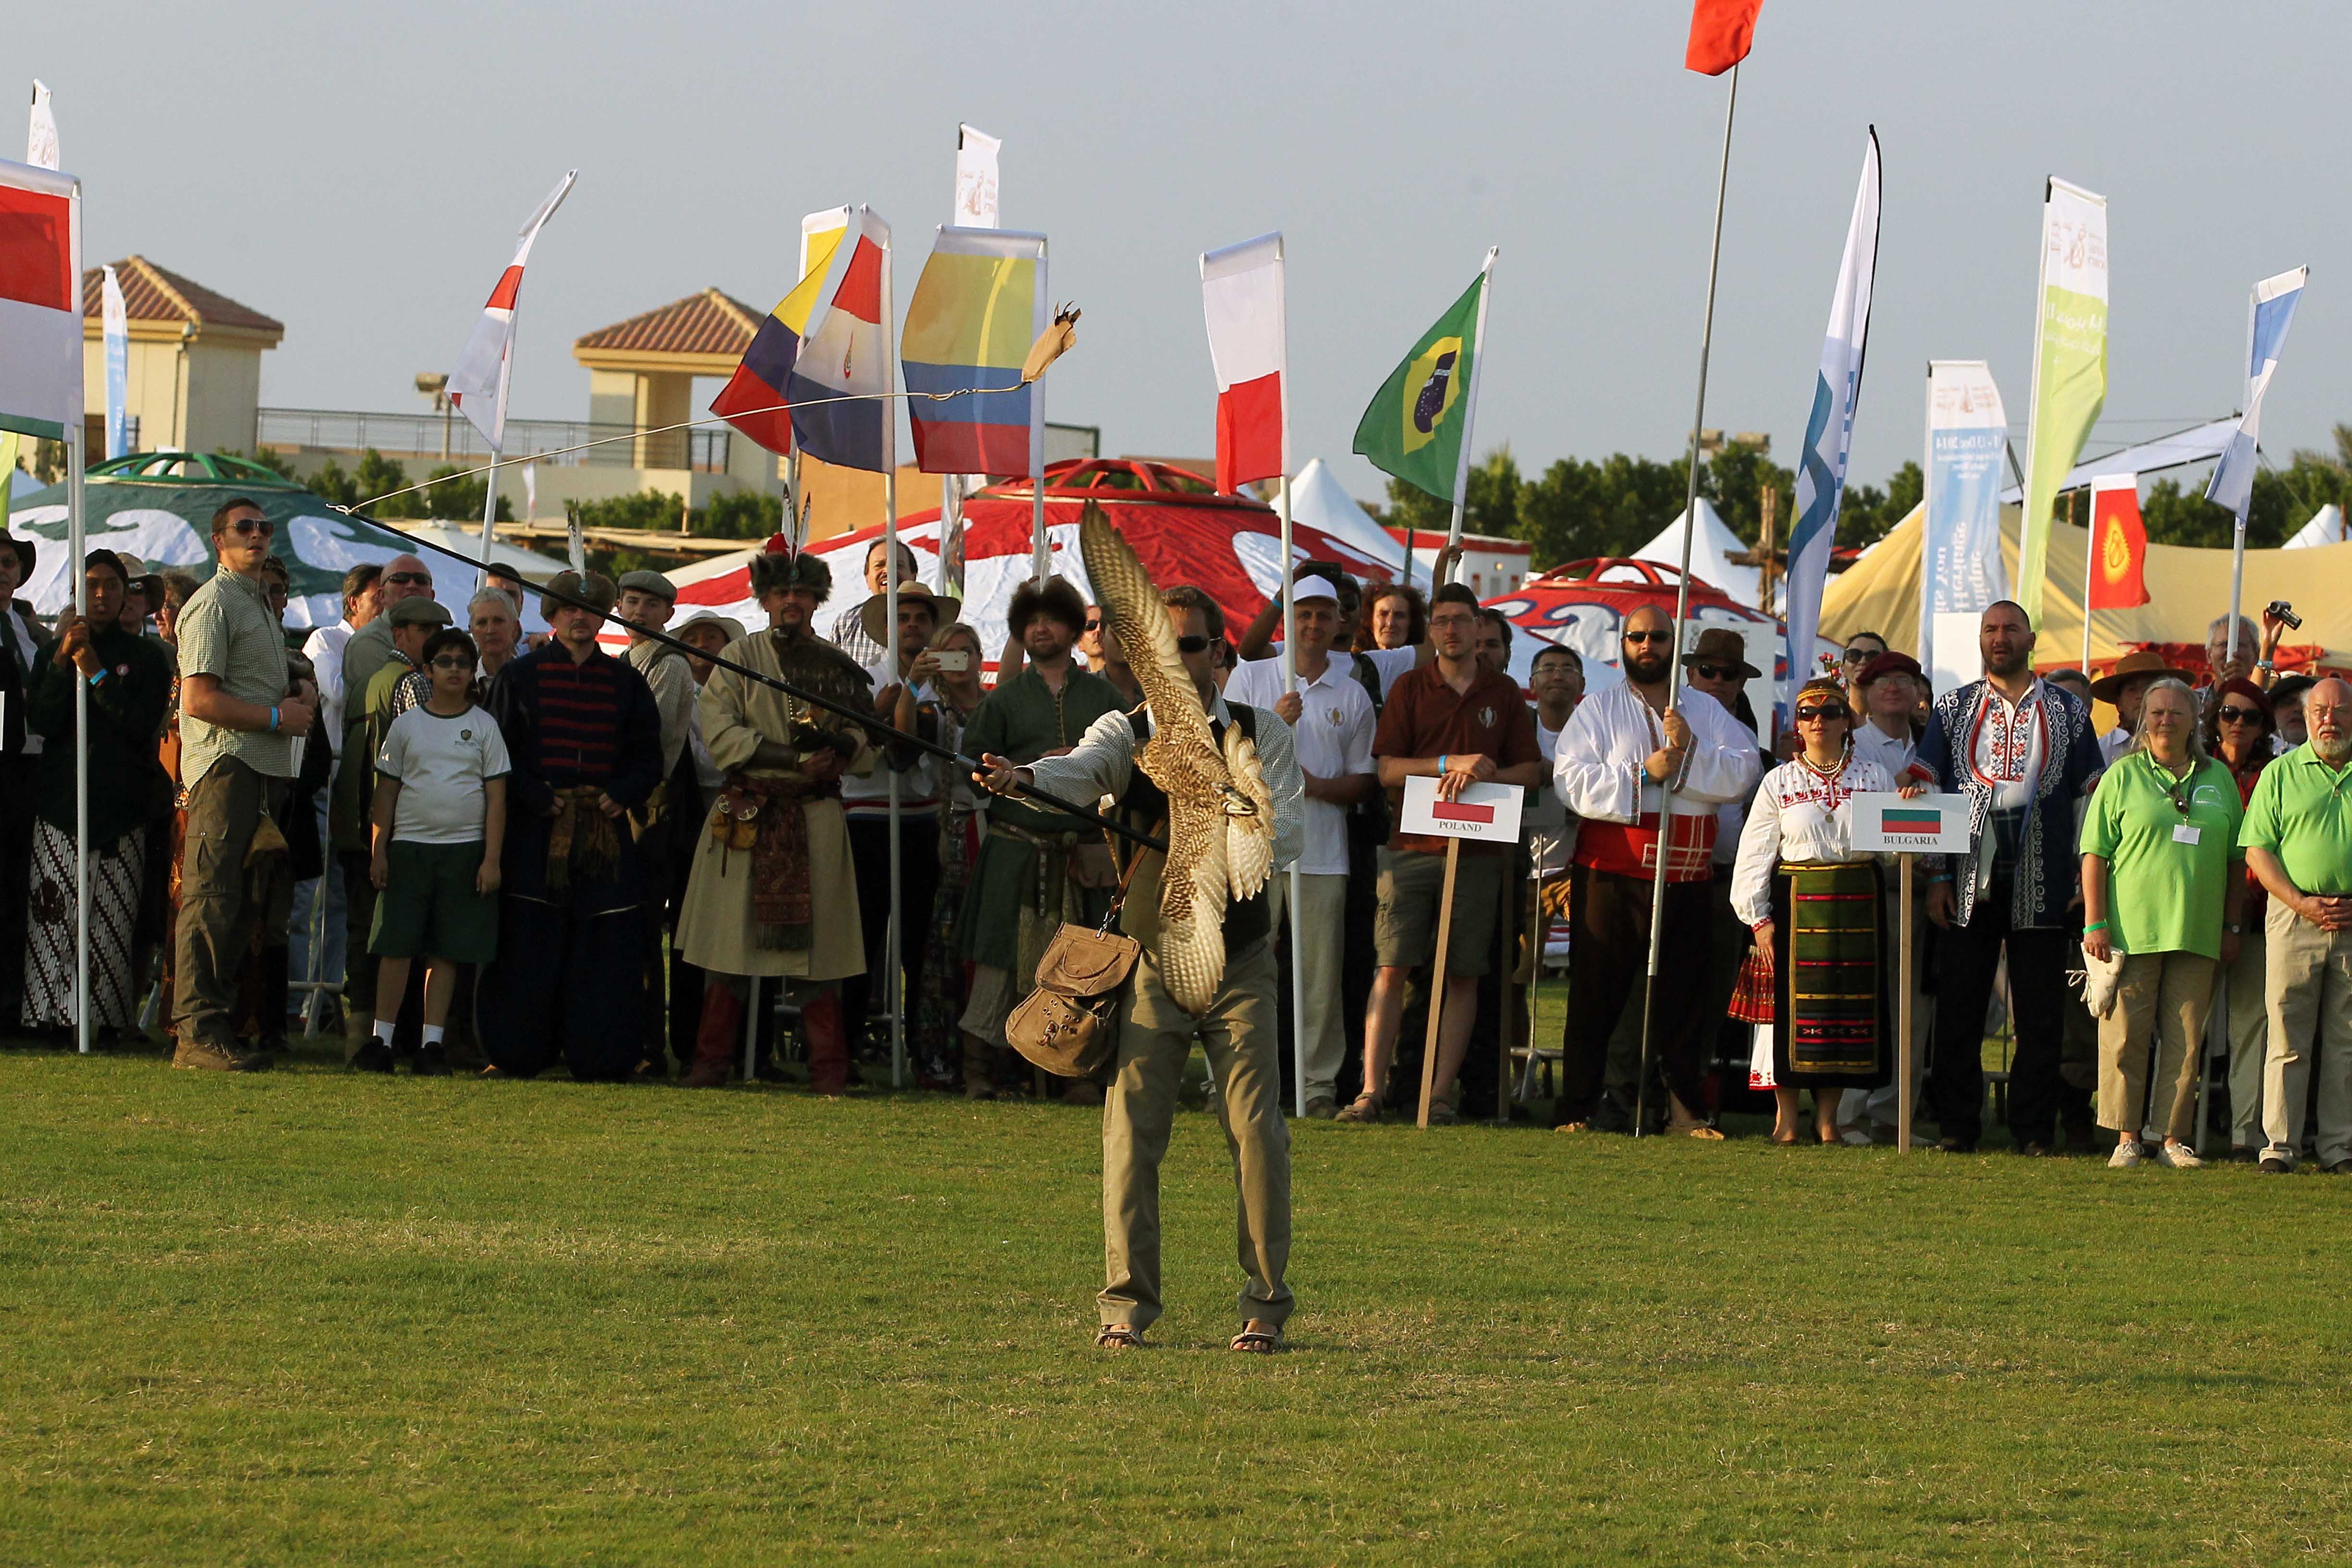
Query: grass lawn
{"x": 319, "y": 1319}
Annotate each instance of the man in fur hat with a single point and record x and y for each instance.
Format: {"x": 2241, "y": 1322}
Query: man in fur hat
{"x": 1037, "y": 868}
{"x": 773, "y": 892}
{"x": 584, "y": 740}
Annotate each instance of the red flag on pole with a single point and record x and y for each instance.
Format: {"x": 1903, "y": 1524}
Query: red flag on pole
{"x": 2118, "y": 542}
{"x": 1722, "y": 32}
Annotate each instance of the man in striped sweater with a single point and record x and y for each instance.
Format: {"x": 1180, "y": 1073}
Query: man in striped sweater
{"x": 584, "y": 739}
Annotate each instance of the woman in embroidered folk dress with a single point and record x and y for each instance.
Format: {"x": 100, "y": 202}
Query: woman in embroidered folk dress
{"x": 1816, "y": 908}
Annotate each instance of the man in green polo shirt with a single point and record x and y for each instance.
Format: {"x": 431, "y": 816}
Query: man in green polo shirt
{"x": 2298, "y": 839}
{"x": 237, "y": 723}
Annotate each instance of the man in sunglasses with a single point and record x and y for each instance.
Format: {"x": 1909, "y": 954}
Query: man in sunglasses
{"x": 1626, "y": 749}
{"x": 2021, "y": 749}
{"x": 405, "y": 577}
{"x": 237, "y": 723}
{"x": 1104, "y": 656}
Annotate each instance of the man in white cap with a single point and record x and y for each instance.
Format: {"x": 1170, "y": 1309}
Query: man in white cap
{"x": 1331, "y": 716}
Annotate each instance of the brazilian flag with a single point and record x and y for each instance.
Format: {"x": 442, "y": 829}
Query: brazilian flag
{"x": 1418, "y": 421}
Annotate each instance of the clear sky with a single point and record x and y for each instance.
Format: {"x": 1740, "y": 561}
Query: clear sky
{"x": 358, "y": 172}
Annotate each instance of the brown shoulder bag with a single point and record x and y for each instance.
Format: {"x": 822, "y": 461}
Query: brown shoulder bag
{"x": 1069, "y": 1024}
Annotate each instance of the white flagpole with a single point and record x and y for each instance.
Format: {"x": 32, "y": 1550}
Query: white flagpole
{"x": 2091, "y": 564}
{"x": 1289, "y": 687}
{"x": 74, "y": 436}
{"x": 1469, "y": 411}
{"x": 1041, "y": 315}
{"x": 1682, "y": 614}
{"x": 894, "y": 983}
{"x": 497, "y": 451}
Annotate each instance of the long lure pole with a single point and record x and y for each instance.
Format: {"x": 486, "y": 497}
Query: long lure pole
{"x": 1682, "y": 614}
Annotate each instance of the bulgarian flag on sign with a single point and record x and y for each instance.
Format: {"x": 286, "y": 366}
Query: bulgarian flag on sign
{"x": 40, "y": 300}
{"x": 1418, "y": 425}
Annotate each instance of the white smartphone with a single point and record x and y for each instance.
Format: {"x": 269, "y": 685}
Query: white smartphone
{"x": 954, "y": 659}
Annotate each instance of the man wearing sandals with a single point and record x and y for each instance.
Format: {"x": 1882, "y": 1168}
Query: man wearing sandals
{"x": 1239, "y": 1030}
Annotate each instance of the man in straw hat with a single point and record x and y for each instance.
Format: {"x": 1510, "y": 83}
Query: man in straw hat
{"x": 773, "y": 892}
{"x": 2123, "y": 685}
{"x": 584, "y": 741}
{"x": 1036, "y": 869}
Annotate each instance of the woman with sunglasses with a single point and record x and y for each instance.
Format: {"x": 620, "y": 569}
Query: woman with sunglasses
{"x": 2163, "y": 884}
{"x": 2238, "y": 730}
{"x": 1817, "y": 908}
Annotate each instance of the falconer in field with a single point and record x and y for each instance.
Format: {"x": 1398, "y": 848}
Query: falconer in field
{"x": 773, "y": 892}
{"x": 1232, "y": 814}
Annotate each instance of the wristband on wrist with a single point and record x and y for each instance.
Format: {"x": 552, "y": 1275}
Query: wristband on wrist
{"x": 97, "y": 678}
{"x": 273, "y": 721}
{"x": 1444, "y": 758}
{"x": 2094, "y": 925}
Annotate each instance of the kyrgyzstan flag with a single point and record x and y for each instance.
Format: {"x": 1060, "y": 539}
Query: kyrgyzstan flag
{"x": 1240, "y": 289}
{"x": 2120, "y": 543}
{"x": 477, "y": 385}
{"x": 1722, "y": 32}
{"x": 40, "y": 300}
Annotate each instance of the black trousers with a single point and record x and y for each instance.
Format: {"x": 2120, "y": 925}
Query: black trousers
{"x": 16, "y": 878}
{"x": 1966, "y": 958}
{"x": 567, "y": 987}
{"x": 865, "y": 994}
{"x": 1609, "y": 955}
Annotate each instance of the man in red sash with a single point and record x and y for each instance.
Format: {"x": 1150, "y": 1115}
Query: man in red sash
{"x": 1624, "y": 749}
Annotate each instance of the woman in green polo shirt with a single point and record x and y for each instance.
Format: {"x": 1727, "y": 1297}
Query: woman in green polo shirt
{"x": 2162, "y": 878}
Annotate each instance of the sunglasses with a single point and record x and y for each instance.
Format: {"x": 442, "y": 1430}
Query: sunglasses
{"x": 253, "y": 526}
{"x": 1190, "y": 644}
{"x": 1095, "y": 625}
{"x": 453, "y": 661}
{"x": 1648, "y": 636}
{"x": 2239, "y": 715}
{"x": 1859, "y": 655}
{"x": 1715, "y": 671}
{"x": 1808, "y": 715}
{"x": 424, "y": 579}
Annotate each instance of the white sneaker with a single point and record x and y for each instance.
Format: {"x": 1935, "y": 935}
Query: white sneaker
{"x": 2176, "y": 1156}
{"x": 2125, "y": 1156}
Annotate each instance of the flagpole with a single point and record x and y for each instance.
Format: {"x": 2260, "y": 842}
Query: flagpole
{"x": 498, "y": 448}
{"x": 74, "y": 434}
{"x": 1289, "y": 688}
{"x": 1682, "y": 614}
{"x": 1040, "y": 317}
{"x": 1470, "y": 408}
{"x": 895, "y": 981}
{"x": 2090, "y": 565}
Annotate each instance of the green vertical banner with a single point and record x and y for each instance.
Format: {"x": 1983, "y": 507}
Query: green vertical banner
{"x": 2069, "y": 367}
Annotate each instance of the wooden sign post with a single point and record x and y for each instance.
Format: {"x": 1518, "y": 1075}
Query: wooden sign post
{"x": 1489, "y": 812}
{"x": 1924, "y": 825}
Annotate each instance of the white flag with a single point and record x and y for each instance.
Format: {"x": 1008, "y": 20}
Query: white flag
{"x": 2271, "y": 312}
{"x": 41, "y": 141}
{"x": 114, "y": 326}
{"x": 477, "y": 385}
{"x": 530, "y": 491}
{"x": 975, "y": 196}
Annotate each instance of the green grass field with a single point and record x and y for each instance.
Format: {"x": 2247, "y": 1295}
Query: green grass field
{"x": 318, "y": 1319}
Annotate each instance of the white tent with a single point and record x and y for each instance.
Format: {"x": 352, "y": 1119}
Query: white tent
{"x": 2325, "y": 527}
{"x": 1320, "y": 500}
{"x": 1711, "y": 553}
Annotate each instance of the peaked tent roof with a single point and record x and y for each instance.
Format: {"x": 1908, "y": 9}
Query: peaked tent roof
{"x": 708, "y": 326}
{"x": 153, "y": 293}
{"x": 2325, "y": 527}
{"x": 1711, "y": 553}
{"x": 1320, "y": 500}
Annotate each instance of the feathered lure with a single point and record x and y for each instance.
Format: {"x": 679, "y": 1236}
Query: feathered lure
{"x": 1220, "y": 811}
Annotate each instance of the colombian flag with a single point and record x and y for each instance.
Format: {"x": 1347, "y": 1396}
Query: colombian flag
{"x": 825, "y": 340}
{"x": 981, "y": 301}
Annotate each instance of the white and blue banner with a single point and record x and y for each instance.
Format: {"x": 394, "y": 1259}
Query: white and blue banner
{"x": 1960, "y": 569}
{"x": 2273, "y": 311}
{"x": 114, "y": 320}
{"x": 1829, "y": 428}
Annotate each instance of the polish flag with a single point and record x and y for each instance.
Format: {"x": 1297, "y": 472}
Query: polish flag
{"x": 40, "y": 300}
{"x": 477, "y": 385}
{"x": 1240, "y": 289}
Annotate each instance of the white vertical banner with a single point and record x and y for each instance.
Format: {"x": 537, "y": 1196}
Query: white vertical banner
{"x": 1960, "y": 569}
{"x": 114, "y": 320}
{"x": 41, "y": 135}
{"x": 975, "y": 186}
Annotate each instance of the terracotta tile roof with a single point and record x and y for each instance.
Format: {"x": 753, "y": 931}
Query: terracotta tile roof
{"x": 705, "y": 323}
{"x": 151, "y": 293}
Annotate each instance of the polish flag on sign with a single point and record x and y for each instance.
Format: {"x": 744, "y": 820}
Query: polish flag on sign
{"x": 1721, "y": 33}
{"x": 477, "y": 385}
{"x": 40, "y": 300}
{"x": 1241, "y": 289}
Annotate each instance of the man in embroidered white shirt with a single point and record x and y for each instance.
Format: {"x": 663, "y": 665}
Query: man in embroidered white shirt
{"x": 1622, "y": 753}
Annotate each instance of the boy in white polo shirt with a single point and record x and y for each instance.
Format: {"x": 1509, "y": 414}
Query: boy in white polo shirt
{"x": 438, "y": 823}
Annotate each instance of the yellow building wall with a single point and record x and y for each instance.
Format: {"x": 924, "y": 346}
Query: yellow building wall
{"x": 190, "y": 394}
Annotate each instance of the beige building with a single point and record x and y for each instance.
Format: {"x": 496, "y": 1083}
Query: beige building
{"x": 194, "y": 364}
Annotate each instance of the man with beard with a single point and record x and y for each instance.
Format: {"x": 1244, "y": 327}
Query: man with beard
{"x": 773, "y": 892}
{"x": 1036, "y": 869}
{"x": 1494, "y": 641}
{"x": 585, "y": 742}
{"x": 2297, "y": 841}
{"x": 1623, "y": 750}
{"x": 2021, "y": 751}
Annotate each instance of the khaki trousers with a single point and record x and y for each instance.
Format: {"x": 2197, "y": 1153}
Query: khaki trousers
{"x": 1155, "y": 1041}
{"x": 2310, "y": 990}
{"x": 2250, "y": 1037}
{"x": 216, "y": 920}
{"x": 2160, "y": 1007}
{"x": 1322, "y": 947}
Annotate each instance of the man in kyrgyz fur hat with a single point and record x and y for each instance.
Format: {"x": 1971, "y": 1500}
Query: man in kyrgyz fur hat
{"x": 1037, "y": 868}
{"x": 773, "y": 891}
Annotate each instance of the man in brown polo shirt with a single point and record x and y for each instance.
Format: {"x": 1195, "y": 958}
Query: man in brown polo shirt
{"x": 1462, "y": 723}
